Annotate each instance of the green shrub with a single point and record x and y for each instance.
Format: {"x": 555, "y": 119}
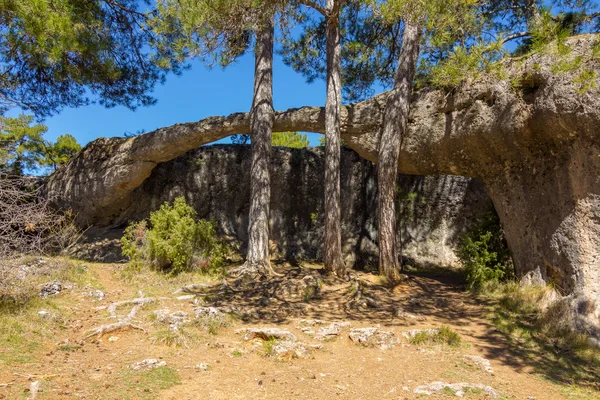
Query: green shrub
{"x": 175, "y": 241}
{"x": 484, "y": 253}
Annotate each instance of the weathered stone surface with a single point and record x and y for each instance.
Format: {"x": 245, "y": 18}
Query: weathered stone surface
{"x": 50, "y": 289}
{"x": 287, "y": 349}
{"x": 215, "y": 181}
{"x": 374, "y": 337}
{"x": 457, "y": 388}
{"x": 267, "y": 334}
{"x": 148, "y": 364}
{"x": 483, "y": 363}
{"x": 331, "y": 331}
{"x": 174, "y": 319}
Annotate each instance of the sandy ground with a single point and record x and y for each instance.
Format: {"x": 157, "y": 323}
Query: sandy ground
{"x": 98, "y": 368}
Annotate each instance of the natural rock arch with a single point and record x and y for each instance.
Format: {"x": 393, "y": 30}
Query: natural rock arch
{"x": 536, "y": 147}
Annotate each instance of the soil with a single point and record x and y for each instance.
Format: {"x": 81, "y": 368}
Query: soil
{"x": 71, "y": 367}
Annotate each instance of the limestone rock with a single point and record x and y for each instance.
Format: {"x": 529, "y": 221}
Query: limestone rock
{"x": 174, "y": 319}
{"x": 331, "y": 331}
{"x": 50, "y": 289}
{"x": 479, "y": 361}
{"x": 202, "y": 312}
{"x": 202, "y": 366}
{"x": 147, "y": 364}
{"x": 97, "y": 294}
{"x": 267, "y": 334}
{"x": 533, "y": 278}
{"x": 374, "y": 337}
{"x": 287, "y": 349}
{"x": 532, "y": 140}
{"x": 457, "y": 388}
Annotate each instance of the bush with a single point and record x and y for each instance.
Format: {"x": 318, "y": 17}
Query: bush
{"x": 484, "y": 253}
{"x": 175, "y": 241}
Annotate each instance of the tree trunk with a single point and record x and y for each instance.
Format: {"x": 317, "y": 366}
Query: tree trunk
{"x": 333, "y": 260}
{"x": 394, "y": 127}
{"x": 262, "y": 116}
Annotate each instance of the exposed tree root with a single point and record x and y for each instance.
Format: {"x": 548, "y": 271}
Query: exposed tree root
{"x": 359, "y": 299}
{"x": 125, "y": 322}
{"x": 253, "y": 271}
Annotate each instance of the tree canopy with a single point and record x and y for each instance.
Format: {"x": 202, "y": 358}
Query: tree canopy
{"x": 24, "y": 149}
{"x": 294, "y": 140}
{"x": 67, "y": 53}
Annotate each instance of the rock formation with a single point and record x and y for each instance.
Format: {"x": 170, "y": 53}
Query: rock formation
{"x": 533, "y": 140}
{"x": 215, "y": 180}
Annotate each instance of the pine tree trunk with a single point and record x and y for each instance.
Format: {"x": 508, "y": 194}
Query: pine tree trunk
{"x": 394, "y": 126}
{"x": 262, "y": 115}
{"x": 333, "y": 260}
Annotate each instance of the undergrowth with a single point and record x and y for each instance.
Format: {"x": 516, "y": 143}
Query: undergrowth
{"x": 484, "y": 253}
{"x": 22, "y": 330}
{"x": 172, "y": 240}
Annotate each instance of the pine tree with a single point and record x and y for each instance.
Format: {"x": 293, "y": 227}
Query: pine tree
{"x": 23, "y": 147}
{"x": 294, "y": 140}
{"x": 218, "y": 32}
{"x": 68, "y": 53}
{"x": 432, "y": 18}
{"x": 333, "y": 259}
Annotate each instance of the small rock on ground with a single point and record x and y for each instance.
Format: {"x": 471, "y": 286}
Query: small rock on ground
{"x": 46, "y": 314}
{"x": 50, "y": 289}
{"x": 480, "y": 361}
{"x": 98, "y": 294}
{"x": 148, "y": 364}
{"x": 174, "y": 319}
{"x": 202, "y": 366}
{"x": 331, "y": 331}
{"x": 286, "y": 349}
{"x": 267, "y": 334}
{"x": 457, "y": 388}
{"x": 374, "y": 337}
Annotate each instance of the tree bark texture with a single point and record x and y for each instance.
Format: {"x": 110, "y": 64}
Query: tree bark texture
{"x": 395, "y": 123}
{"x": 262, "y": 116}
{"x": 334, "y": 263}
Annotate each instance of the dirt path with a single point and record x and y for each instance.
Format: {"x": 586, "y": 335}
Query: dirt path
{"x": 72, "y": 368}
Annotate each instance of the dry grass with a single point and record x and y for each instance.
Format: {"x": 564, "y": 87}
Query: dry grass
{"x": 445, "y": 336}
{"x": 181, "y": 337}
{"x": 538, "y": 329}
{"x": 155, "y": 283}
{"x": 22, "y": 330}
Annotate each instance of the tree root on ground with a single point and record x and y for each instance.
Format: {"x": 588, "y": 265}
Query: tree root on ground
{"x": 358, "y": 298}
{"x": 125, "y": 322}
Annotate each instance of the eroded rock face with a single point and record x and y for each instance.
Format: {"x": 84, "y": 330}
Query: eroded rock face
{"x": 215, "y": 180}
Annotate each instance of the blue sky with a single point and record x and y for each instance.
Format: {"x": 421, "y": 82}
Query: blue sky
{"x": 196, "y": 94}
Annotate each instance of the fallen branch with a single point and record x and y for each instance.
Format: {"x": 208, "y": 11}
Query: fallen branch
{"x": 112, "y": 307}
{"x": 125, "y": 322}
